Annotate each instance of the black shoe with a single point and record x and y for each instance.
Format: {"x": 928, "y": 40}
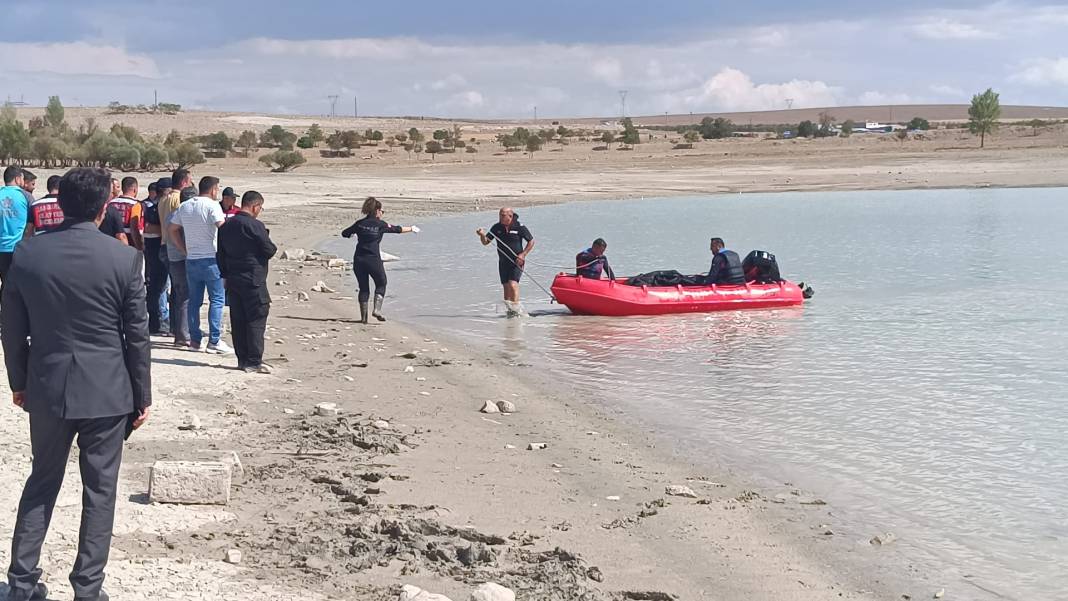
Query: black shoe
{"x": 40, "y": 592}
{"x": 103, "y": 596}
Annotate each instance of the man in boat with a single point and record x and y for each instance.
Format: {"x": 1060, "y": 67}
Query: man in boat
{"x": 591, "y": 263}
{"x": 514, "y": 243}
{"x": 726, "y": 266}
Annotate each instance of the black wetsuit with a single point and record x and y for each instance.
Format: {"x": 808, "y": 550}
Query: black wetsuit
{"x": 367, "y": 260}
{"x": 726, "y": 269}
{"x": 589, "y": 265}
{"x": 510, "y": 242}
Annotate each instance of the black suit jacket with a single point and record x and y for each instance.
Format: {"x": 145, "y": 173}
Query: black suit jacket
{"x": 244, "y": 250}
{"x": 75, "y": 325}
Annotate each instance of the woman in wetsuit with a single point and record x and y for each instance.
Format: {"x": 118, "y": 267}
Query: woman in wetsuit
{"x": 367, "y": 261}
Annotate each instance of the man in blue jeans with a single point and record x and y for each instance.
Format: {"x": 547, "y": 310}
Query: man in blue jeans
{"x": 194, "y": 230}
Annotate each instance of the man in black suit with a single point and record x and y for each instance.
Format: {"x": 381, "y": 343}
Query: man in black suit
{"x": 244, "y": 249}
{"x": 80, "y": 297}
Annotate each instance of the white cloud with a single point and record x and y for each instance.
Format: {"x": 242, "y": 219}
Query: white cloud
{"x": 608, "y": 70}
{"x": 1044, "y": 72}
{"x": 76, "y": 58}
{"x": 947, "y": 90}
{"x": 948, "y": 29}
{"x": 873, "y": 97}
{"x": 768, "y": 38}
{"x": 450, "y": 82}
{"x": 470, "y": 99}
{"x": 364, "y": 48}
{"x": 733, "y": 90}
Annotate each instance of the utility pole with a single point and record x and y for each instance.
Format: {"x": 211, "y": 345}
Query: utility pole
{"x": 789, "y": 103}
{"x": 356, "y": 107}
{"x": 535, "y": 114}
{"x": 333, "y": 104}
{"x": 623, "y": 104}
{"x": 155, "y": 101}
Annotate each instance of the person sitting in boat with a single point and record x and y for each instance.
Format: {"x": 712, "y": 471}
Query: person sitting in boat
{"x": 591, "y": 263}
{"x": 726, "y": 266}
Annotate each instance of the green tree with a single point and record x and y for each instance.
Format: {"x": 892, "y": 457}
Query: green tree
{"x": 847, "y": 127}
{"x": 608, "y": 137}
{"x": 173, "y": 139}
{"x": 54, "y": 113}
{"x": 281, "y": 161}
{"x": 153, "y": 157}
{"x": 278, "y": 137}
{"x": 247, "y": 140}
{"x": 350, "y": 139}
{"x": 433, "y": 147}
{"x": 415, "y": 136}
{"x": 50, "y": 151}
{"x": 691, "y": 136}
{"x": 377, "y": 136}
{"x": 919, "y": 123}
{"x": 315, "y": 134}
{"x": 185, "y": 155}
{"x": 402, "y": 138}
{"x": 533, "y": 144}
{"x": 521, "y": 134}
{"x": 15, "y": 141}
{"x": 126, "y": 133}
{"x": 630, "y": 133}
{"x": 547, "y": 134}
{"x": 806, "y": 129}
{"x": 983, "y": 115}
{"x": 440, "y": 134}
{"x": 826, "y": 128}
{"x": 1035, "y": 124}
{"x": 218, "y": 142}
{"x": 305, "y": 142}
{"x": 716, "y": 129}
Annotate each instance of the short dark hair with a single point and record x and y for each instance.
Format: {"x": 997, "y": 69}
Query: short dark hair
{"x": 153, "y": 187}
{"x": 11, "y": 174}
{"x": 718, "y": 241}
{"x": 187, "y": 193}
{"x": 128, "y": 183}
{"x": 251, "y": 198}
{"x": 28, "y": 175}
{"x": 83, "y": 191}
{"x": 207, "y": 183}
{"x": 179, "y": 176}
{"x": 600, "y": 242}
{"x": 53, "y": 182}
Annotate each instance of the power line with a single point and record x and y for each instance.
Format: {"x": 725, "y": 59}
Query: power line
{"x": 333, "y": 104}
{"x": 623, "y": 103}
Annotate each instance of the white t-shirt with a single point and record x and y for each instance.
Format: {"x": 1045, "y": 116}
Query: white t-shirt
{"x": 198, "y": 217}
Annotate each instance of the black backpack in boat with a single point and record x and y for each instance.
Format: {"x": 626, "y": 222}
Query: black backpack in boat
{"x": 760, "y": 267}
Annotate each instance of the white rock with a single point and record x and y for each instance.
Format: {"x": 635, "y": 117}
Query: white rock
{"x": 424, "y": 393}
{"x": 492, "y": 591}
{"x": 489, "y": 407}
{"x": 420, "y": 379}
{"x": 414, "y": 593}
{"x": 509, "y": 446}
{"x": 612, "y": 498}
{"x": 190, "y": 482}
{"x": 409, "y": 370}
{"x": 941, "y": 593}
{"x": 381, "y": 424}
{"x": 287, "y": 411}
{"x": 232, "y": 459}
{"x": 387, "y": 258}
{"x": 294, "y": 254}
{"x": 676, "y": 490}
{"x": 326, "y": 409}
{"x": 321, "y": 286}
{"x": 348, "y": 378}
{"x": 506, "y": 406}
{"x": 192, "y": 422}
{"x": 335, "y": 263}
{"x": 302, "y": 297}
{"x": 537, "y": 446}
{"x": 233, "y": 556}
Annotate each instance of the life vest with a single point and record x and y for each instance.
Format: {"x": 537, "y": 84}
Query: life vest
{"x": 126, "y": 208}
{"x": 46, "y": 214}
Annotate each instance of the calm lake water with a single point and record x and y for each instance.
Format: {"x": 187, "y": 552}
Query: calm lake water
{"x": 924, "y": 390}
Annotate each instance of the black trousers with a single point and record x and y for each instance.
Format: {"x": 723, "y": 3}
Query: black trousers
{"x": 156, "y": 274}
{"x": 369, "y": 268}
{"x": 5, "y": 266}
{"x": 249, "y": 307}
{"x": 100, "y": 443}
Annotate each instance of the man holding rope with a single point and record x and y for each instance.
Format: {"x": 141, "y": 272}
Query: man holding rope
{"x": 514, "y": 243}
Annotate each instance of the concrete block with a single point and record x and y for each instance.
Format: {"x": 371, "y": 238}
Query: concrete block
{"x": 190, "y": 482}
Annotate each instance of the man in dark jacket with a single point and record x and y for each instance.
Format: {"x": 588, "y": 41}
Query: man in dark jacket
{"x": 245, "y": 247}
{"x": 591, "y": 263}
{"x": 81, "y": 298}
{"x": 726, "y": 266}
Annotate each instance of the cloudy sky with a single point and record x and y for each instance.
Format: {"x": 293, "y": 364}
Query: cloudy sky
{"x": 500, "y": 58}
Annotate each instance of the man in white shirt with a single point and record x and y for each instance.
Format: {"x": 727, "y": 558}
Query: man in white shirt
{"x": 194, "y": 230}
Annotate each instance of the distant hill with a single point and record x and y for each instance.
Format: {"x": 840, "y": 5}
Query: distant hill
{"x": 860, "y": 114}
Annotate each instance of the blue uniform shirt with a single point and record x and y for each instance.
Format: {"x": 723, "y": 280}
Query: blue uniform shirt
{"x": 14, "y": 209}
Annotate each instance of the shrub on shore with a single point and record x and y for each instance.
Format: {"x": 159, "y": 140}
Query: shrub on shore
{"x": 281, "y": 161}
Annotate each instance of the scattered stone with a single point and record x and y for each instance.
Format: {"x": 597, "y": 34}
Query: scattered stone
{"x": 592, "y": 433}
{"x": 190, "y": 482}
{"x": 612, "y": 498}
{"x": 192, "y": 422}
{"x": 287, "y": 411}
{"x": 941, "y": 593}
{"x": 492, "y": 591}
{"x": 348, "y": 378}
{"x": 811, "y": 501}
{"x": 509, "y": 446}
{"x": 489, "y": 407}
{"x": 506, "y": 406}
{"x": 594, "y": 574}
{"x": 409, "y": 370}
{"x": 676, "y": 490}
{"x": 381, "y": 424}
{"x": 326, "y": 409}
{"x": 883, "y": 539}
{"x": 233, "y": 556}
{"x": 321, "y": 286}
{"x": 232, "y": 459}
{"x": 336, "y": 263}
{"x": 537, "y": 446}
{"x": 294, "y": 254}
{"x": 414, "y": 593}
{"x": 420, "y": 379}
{"x": 302, "y": 297}
{"x": 408, "y": 355}
{"x": 557, "y": 466}
{"x": 424, "y": 393}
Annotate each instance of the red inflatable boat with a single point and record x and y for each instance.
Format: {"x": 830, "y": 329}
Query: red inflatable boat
{"x": 615, "y": 298}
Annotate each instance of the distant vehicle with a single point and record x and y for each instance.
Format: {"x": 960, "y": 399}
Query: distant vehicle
{"x": 787, "y": 135}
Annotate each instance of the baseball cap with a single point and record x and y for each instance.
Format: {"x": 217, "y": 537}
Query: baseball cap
{"x": 164, "y": 182}
{"x": 228, "y": 191}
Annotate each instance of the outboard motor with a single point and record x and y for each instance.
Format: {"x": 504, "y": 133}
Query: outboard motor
{"x": 760, "y": 267}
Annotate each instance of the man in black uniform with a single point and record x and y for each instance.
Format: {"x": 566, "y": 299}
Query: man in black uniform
{"x": 244, "y": 249}
{"x": 726, "y": 266}
{"x": 70, "y": 291}
{"x": 511, "y": 254}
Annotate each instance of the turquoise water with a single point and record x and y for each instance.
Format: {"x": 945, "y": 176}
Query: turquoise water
{"x": 924, "y": 389}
